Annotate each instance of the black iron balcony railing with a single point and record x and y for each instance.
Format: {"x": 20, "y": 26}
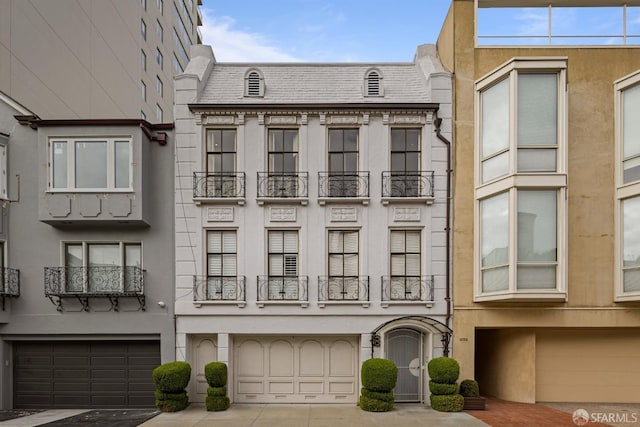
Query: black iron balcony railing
{"x": 82, "y": 283}
{"x": 407, "y": 288}
{"x": 343, "y": 288}
{"x": 283, "y": 288}
{"x": 343, "y": 184}
{"x": 283, "y": 185}
{"x": 407, "y": 184}
{"x": 9, "y": 283}
{"x": 211, "y": 185}
{"x": 218, "y": 288}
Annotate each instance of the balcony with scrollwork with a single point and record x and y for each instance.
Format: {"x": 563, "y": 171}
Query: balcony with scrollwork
{"x": 9, "y": 284}
{"x": 343, "y": 290}
{"x": 408, "y": 187}
{"x": 289, "y": 187}
{"x": 407, "y": 290}
{"x": 85, "y": 283}
{"x": 283, "y": 290}
{"x": 210, "y": 187}
{"x": 343, "y": 187}
{"x": 219, "y": 290}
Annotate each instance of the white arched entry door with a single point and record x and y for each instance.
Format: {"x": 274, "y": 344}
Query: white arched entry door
{"x": 406, "y": 348}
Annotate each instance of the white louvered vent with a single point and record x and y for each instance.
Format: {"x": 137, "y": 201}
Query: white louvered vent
{"x": 253, "y": 84}
{"x": 373, "y": 84}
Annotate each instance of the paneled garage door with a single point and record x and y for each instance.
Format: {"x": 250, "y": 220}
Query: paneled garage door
{"x": 296, "y": 369}
{"x": 88, "y": 374}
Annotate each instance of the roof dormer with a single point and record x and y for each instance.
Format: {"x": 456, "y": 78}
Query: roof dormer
{"x": 253, "y": 83}
{"x": 373, "y": 83}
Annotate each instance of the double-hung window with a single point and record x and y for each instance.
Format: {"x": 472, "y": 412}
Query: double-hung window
{"x": 221, "y": 177}
{"x": 283, "y": 265}
{"x": 521, "y": 181}
{"x": 221, "y": 265}
{"x": 283, "y": 180}
{"x": 343, "y": 283}
{"x": 405, "y": 265}
{"x": 627, "y": 95}
{"x": 90, "y": 164}
{"x": 343, "y": 163}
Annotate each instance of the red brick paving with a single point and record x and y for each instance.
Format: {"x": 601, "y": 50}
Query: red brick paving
{"x": 502, "y": 413}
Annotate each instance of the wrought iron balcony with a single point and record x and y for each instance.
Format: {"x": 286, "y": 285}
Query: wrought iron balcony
{"x": 9, "y": 283}
{"x": 218, "y": 288}
{"x": 408, "y": 184}
{"x": 407, "y": 288}
{"x": 343, "y": 288}
{"x": 82, "y": 283}
{"x": 343, "y": 184}
{"x": 210, "y": 185}
{"x": 283, "y": 185}
{"x": 283, "y": 288}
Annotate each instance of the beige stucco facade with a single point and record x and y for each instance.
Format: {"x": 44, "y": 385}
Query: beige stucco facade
{"x": 499, "y": 342}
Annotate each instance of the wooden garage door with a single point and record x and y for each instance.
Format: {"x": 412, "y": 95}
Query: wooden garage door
{"x": 299, "y": 369}
{"x": 581, "y": 365}
{"x": 89, "y": 374}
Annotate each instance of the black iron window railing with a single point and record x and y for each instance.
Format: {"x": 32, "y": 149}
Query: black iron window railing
{"x": 407, "y": 288}
{"x": 82, "y": 283}
{"x": 213, "y": 185}
{"x": 9, "y": 283}
{"x": 283, "y": 288}
{"x": 343, "y": 184}
{"x": 218, "y": 288}
{"x": 407, "y": 184}
{"x": 283, "y": 185}
{"x": 343, "y": 288}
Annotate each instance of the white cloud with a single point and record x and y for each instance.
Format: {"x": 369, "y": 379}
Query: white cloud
{"x": 232, "y": 45}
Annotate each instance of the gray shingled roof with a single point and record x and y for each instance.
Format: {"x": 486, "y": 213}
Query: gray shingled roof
{"x": 315, "y": 83}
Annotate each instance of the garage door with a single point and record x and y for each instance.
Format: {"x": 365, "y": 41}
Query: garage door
{"x": 89, "y": 374}
{"x": 296, "y": 369}
{"x": 588, "y": 365}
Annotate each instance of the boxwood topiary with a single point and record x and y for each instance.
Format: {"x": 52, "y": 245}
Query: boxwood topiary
{"x": 443, "y": 370}
{"x": 217, "y": 403}
{"x": 179, "y": 402}
{"x": 379, "y": 375}
{"x": 386, "y": 396}
{"x": 374, "y": 405}
{"x": 172, "y": 377}
{"x": 216, "y": 374}
{"x": 469, "y": 388}
{"x": 442, "y": 389}
{"x": 216, "y": 391}
{"x": 447, "y": 403}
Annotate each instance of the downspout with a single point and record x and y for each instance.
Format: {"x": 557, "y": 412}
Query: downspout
{"x": 446, "y": 338}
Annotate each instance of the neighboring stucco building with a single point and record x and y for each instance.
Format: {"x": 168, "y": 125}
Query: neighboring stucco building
{"x": 546, "y": 203}
{"x": 311, "y": 224}
{"x": 87, "y": 240}
{"x": 97, "y": 59}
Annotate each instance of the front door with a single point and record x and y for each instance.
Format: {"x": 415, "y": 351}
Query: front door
{"x": 204, "y": 350}
{"x": 404, "y": 347}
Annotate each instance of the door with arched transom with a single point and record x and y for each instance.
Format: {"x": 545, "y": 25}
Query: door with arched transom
{"x": 405, "y": 348}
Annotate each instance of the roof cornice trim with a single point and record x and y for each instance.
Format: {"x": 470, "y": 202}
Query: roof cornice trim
{"x": 432, "y": 106}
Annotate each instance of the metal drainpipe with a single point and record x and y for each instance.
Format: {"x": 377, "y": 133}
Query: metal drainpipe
{"x": 438, "y": 121}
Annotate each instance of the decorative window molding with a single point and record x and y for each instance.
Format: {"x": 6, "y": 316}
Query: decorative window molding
{"x": 373, "y": 85}
{"x": 3, "y": 169}
{"x": 254, "y": 83}
{"x": 627, "y": 134}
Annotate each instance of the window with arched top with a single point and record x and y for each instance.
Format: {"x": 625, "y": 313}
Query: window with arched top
{"x": 373, "y": 83}
{"x": 254, "y": 84}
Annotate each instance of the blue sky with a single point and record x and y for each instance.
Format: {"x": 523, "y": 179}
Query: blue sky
{"x": 320, "y": 30}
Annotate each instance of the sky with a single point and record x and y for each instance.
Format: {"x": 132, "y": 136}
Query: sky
{"x": 377, "y": 31}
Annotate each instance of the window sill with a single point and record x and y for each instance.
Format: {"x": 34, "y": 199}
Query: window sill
{"x": 240, "y": 304}
{"x": 628, "y": 297}
{"x": 304, "y": 201}
{"x": 219, "y": 200}
{"x": 531, "y": 296}
{"x": 357, "y": 200}
{"x": 303, "y": 304}
{"x": 364, "y": 304}
{"x": 387, "y": 304}
{"x": 91, "y": 191}
{"x": 427, "y": 200}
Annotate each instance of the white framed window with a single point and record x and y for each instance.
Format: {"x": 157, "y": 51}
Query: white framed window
{"x": 4, "y": 192}
{"x": 627, "y": 254}
{"x": 90, "y": 164}
{"x": 521, "y": 181}
{"x": 283, "y": 253}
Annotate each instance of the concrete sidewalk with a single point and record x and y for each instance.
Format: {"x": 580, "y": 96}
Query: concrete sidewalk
{"x": 272, "y": 415}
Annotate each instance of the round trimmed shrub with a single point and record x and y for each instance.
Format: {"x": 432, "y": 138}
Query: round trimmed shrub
{"x": 469, "y": 388}
{"x": 447, "y": 403}
{"x": 378, "y": 395}
{"x": 216, "y": 391}
{"x": 172, "y": 377}
{"x": 374, "y": 405}
{"x": 379, "y": 375}
{"x": 442, "y": 389}
{"x": 180, "y": 402}
{"x": 217, "y": 403}
{"x": 216, "y": 374}
{"x": 159, "y": 395}
{"x": 443, "y": 370}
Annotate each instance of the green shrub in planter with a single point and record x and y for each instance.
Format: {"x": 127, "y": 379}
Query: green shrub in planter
{"x": 217, "y": 403}
{"x": 374, "y": 405}
{"x": 172, "y": 377}
{"x": 447, "y": 403}
{"x": 379, "y": 375}
{"x": 216, "y": 391}
{"x": 216, "y": 374}
{"x": 443, "y": 370}
{"x": 442, "y": 389}
{"x": 469, "y": 388}
{"x": 379, "y": 395}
